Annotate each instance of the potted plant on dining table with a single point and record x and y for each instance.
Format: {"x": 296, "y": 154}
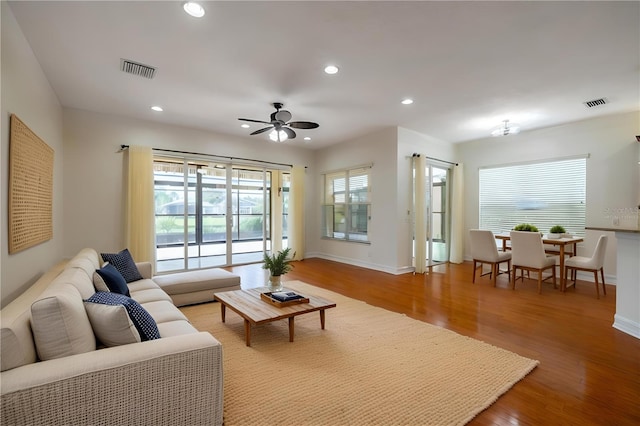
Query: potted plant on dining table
{"x": 557, "y": 231}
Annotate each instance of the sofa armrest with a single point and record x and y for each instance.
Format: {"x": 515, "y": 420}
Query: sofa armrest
{"x": 169, "y": 381}
{"x": 146, "y": 269}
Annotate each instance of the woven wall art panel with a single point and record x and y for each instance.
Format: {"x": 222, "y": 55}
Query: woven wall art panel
{"x": 30, "y": 188}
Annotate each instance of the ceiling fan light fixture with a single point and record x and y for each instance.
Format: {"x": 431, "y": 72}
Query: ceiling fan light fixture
{"x": 407, "y": 101}
{"x": 278, "y": 136}
{"x": 506, "y": 129}
{"x": 194, "y": 9}
{"x": 245, "y": 126}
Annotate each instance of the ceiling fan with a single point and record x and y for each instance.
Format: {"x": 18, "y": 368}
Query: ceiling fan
{"x": 281, "y": 125}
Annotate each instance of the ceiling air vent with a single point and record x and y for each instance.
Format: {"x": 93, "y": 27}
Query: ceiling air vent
{"x": 595, "y": 102}
{"x": 136, "y": 68}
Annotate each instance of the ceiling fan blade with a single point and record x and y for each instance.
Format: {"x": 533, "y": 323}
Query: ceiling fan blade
{"x": 253, "y": 121}
{"x": 290, "y": 133}
{"x": 257, "y": 132}
{"x": 303, "y": 125}
{"x": 283, "y": 115}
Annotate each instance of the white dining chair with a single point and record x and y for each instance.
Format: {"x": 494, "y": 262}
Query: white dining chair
{"x": 528, "y": 255}
{"x": 484, "y": 251}
{"x": 593, "y": 264}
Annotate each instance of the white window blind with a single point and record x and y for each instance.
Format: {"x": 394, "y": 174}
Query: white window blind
{"x": 346, "y": 205}
{"x": 542, "y": 194}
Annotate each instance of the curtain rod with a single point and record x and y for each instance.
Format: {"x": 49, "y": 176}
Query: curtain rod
{"x": 415, "y": 154}
{"x": 123, "y": 147}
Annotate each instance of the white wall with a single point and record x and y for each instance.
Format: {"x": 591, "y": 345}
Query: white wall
{"x": 390, "y": 229}
{"x": 613, "y": 179}
{"x": 378, "y": 149}
{"x": 95, "y": 173}
{"x": 26, "y": 92}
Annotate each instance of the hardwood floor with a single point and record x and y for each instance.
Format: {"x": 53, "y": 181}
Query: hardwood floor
{"x": 589, "y": 372}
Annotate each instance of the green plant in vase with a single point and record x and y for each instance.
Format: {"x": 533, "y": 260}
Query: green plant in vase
{"x": 557, "y": 231}
{"x": 278, "y": 264}
{"x": 525, "y": 227}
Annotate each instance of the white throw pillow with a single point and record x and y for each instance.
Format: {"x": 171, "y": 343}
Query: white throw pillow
{"x": 111, "y": 324}
{"x": 98, "y": 281}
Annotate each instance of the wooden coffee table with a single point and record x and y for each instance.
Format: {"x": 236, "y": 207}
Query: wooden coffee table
{"x": 255, "y": 311}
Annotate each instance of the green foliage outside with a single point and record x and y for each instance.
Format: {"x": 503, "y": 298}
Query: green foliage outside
{"x": 174, "y": 224}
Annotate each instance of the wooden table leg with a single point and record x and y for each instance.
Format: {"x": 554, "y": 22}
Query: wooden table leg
{"x": 223, "y": 311}
{"x": 322, "y": 319}
{"x": 291, "y": 328}
{"x": 247, "y": 332}
{"x": 562, "y": 282}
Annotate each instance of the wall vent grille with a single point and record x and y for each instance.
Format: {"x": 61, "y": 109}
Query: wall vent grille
{"x": 595, "y": 102}
{"x": 136, "y": 68}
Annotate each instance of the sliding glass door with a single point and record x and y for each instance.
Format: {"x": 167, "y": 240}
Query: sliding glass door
{"x": 437, "y": 198}
{"x": 210, "y": 214}
{"x": 432, "y": 206}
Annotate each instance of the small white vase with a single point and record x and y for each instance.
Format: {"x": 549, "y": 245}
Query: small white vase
{"x": 275, "y": 283}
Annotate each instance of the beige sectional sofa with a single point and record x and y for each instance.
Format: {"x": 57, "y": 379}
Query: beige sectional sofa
{"x": 55, "y": 372}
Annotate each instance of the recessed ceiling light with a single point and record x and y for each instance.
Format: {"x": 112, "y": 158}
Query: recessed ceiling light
{"x": 245, "y": 126}
{"x": 407, "y": 101}
{"x": 157, "y": 108}
{"x": 193, "y": 9}
{"x": 307, "y": 138}
{"x": 331, "y": 69}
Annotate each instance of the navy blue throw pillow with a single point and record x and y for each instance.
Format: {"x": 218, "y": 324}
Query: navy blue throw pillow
{"x": 124, "y": 264}
{"x": 113, "y": 279}
{"x": 141, "y": 319}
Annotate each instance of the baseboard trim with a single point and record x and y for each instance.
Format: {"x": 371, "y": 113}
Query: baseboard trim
{"x": 626, "y": 326}
{"x": 361, "y": 264}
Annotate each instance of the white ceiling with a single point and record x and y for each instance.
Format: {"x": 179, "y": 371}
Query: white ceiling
{"x": 467, "y": 65}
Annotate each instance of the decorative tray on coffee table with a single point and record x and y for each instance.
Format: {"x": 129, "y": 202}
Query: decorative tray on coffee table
{"x": 294, "y": 300}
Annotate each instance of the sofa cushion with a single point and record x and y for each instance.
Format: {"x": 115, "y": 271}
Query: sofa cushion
{"x": 150, "y": 295}
{"x": 144, "y": 284}
{"x": 164, "y": 311}
{"x": 60, "y": 324}
{"x": 87, "y": 260}
{"x": 141, "y": 319}
{"x": 113, "y": 280}
{"x": 198, "y": 280}
{"x": 176, "y": 328}
{"x": 124, "y": 264}
{"x": 79, "y": 279}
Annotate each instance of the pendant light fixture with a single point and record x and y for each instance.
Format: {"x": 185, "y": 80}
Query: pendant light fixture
{"x": 506, "y": 128}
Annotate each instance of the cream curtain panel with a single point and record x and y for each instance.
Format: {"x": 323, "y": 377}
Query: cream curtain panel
{"x": 419, "y": 206}
{"x": 276, "y": 210}
{"x": 139, "y": 220}
{"x": 296, "y": 212}
{"x": 456, "y": 254}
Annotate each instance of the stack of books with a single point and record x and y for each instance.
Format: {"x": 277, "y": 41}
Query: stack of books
{"x": 286, "y": 296}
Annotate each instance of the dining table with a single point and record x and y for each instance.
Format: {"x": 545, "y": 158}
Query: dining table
{"x": 561, "y": 242}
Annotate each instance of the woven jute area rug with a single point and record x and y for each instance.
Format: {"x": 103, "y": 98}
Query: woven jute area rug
{"x": 369, "y": 366}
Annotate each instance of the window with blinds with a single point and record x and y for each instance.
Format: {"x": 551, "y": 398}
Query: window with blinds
{"x": 542, "y": 194}
{"x": 346, "y": 205}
